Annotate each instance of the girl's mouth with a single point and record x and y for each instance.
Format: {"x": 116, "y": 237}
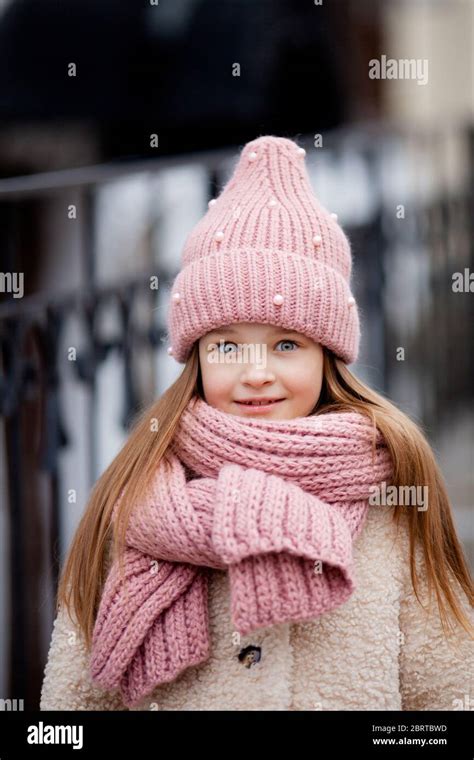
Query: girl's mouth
{"x": 259, "y": 406}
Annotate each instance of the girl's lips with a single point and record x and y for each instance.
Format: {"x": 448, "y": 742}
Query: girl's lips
{"x": 258, "y": 407}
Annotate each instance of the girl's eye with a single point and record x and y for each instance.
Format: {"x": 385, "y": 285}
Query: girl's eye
{"x": 287, "y": 341}
{"x": 224, "y": 345}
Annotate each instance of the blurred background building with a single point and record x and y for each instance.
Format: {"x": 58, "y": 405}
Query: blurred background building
{"x": 92, "y": 205}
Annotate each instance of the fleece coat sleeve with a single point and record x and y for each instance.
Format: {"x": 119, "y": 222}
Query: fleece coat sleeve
{"x": 436, "y": 672}
{"x": 67, "y": 684}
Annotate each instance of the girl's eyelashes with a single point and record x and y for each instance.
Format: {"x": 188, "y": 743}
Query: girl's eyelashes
{"x": 223, "y": 344}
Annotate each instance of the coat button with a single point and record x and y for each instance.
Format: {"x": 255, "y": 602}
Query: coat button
{"x": 250, "y": 655}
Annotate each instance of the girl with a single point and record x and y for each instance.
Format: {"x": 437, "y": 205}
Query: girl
{"x": 241, "y": 551}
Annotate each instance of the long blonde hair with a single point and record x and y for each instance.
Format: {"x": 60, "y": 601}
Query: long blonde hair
{"x": 84, "y": 571}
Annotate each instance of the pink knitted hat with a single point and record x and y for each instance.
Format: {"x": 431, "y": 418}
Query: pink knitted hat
{"x": 266, "y": 251}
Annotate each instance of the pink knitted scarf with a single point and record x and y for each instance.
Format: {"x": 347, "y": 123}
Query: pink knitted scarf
{"x": 276, "y": 503}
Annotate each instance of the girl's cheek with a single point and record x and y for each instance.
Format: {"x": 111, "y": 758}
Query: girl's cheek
{"x": 221, "y": 378}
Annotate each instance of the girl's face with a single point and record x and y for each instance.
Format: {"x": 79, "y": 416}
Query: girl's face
{"x": 247, "y": 361}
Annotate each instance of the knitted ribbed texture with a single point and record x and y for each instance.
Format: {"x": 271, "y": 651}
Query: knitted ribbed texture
{"x": 266, "y": 236}
{"x": 272, "y": 498}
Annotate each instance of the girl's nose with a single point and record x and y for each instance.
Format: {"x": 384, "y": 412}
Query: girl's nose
{"x": 256, "y": 374}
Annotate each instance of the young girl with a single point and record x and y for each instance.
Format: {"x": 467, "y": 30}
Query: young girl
{"x": 252, "y": 546}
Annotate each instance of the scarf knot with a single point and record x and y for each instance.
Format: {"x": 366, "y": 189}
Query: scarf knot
{"x": 275, "y": 503}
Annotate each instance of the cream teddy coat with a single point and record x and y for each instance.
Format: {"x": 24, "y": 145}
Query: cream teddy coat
{"x": 378, "y": 651}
